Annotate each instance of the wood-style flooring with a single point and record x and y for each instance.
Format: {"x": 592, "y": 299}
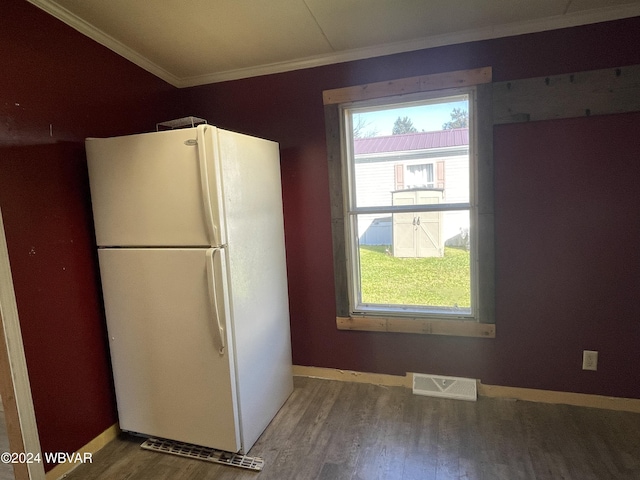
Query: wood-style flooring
{"x": 6, "y": 469}
{"x": 330, "y": 430}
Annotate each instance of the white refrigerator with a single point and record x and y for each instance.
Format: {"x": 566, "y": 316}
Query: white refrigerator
{"x": 189, "y": 228}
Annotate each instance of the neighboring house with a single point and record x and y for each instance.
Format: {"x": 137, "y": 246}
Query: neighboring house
{"x": 390, "y": 168}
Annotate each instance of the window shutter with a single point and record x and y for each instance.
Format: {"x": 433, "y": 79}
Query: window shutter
{"x": 399, "y": 176}
{"x": 440, "y": 174}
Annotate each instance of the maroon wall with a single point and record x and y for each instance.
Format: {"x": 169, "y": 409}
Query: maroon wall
{"x": 56, "y": 88}
{"x": 569, "y": 272}
{"x": 47, "y": 217}
{"x": 58, "y": 85}
{"x": 566, "y": 232}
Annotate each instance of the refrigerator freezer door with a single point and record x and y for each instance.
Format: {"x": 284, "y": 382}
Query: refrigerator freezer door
{"x": 155, "y": 189}
{"x": 171, "y": 380}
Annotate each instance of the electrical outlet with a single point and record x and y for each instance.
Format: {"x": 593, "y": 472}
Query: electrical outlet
{"x": 589, "y": 360}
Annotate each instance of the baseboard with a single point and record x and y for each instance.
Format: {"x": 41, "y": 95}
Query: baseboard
{"x": 92, "y": 447}
{"x": 565, "y": 398}
{"x": 495, "y": 391}
{"x": 352, "y": 376}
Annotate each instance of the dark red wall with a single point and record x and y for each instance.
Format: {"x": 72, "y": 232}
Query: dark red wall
{"x": 53, "y": 79}
{"x": 56, "y": 88}
{"x": 46, "y": 210}
{"x": 566, "y": 231}
{"x": 569, "y": 269}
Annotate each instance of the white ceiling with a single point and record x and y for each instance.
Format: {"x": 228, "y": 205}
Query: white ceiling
{"x": 194, "y": 42}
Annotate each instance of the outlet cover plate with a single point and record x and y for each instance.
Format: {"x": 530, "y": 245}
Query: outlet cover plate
{"x": 590, "y": 360}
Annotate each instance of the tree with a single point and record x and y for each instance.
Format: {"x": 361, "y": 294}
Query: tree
{"x": 359, "y": 126}
{"x": 403, "y": 125}
{"x": 459, "y": 119}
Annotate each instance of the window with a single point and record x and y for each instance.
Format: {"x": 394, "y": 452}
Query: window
{"x": 419, "y": 265}
{"x": 412, "y": 205}
{"x": 418, "y": 176}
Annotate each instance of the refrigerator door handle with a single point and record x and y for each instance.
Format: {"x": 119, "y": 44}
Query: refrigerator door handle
{"x": 204, "y": 181}
{"x": 211, "y": 279}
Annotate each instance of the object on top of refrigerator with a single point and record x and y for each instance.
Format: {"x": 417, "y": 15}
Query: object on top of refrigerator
{"x": 184, "y": 122}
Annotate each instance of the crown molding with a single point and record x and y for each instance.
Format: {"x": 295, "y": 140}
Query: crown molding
{"x": 572, "y": 19}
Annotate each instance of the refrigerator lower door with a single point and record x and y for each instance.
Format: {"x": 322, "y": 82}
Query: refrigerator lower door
{"x": 173, "y": 379}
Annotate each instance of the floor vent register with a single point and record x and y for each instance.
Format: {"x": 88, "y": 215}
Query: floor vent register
{"x": 446, "y": 387}
{"x": 203, "y": 453}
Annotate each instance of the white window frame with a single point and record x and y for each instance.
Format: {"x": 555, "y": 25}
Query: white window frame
{"x": 356, "y": 306}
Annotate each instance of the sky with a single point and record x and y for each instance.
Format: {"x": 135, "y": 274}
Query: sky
{"x": 426, "y": 118}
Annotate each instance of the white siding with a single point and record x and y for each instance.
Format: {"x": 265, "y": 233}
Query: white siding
{"x": 456, "y": 179}
{"x": 375, "y": 182}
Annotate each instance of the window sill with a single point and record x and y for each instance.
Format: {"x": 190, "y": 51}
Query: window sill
{"x": 458, "y": 328}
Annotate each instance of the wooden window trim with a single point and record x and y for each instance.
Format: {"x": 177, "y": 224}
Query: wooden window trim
{"x": 403, "y": 86}
{"x": 425, "y": 326}
{"x": 480, "y": 78}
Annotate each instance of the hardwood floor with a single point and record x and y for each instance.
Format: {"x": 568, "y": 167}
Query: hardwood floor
{"x": 6, "y": 470}
{"x": 330, "y": 430}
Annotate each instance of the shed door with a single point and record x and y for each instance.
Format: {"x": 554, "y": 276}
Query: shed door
{"x": 404, "y": 236}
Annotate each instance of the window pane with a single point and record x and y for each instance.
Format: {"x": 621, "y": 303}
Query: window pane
{"x": 422, "y": 146}
{"x": 415, "y": 262}
{"x": 404, "y": 156}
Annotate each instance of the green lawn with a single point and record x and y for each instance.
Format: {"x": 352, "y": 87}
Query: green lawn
{"x": 436, "y": 281}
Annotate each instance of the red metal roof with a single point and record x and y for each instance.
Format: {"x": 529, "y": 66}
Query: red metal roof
{"x": 412, "y": 141}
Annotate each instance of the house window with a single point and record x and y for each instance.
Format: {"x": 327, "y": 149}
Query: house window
{"x": 412, "y": 208}
{"x": 420, "y": 176}
{"x": 421, "y": 265}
